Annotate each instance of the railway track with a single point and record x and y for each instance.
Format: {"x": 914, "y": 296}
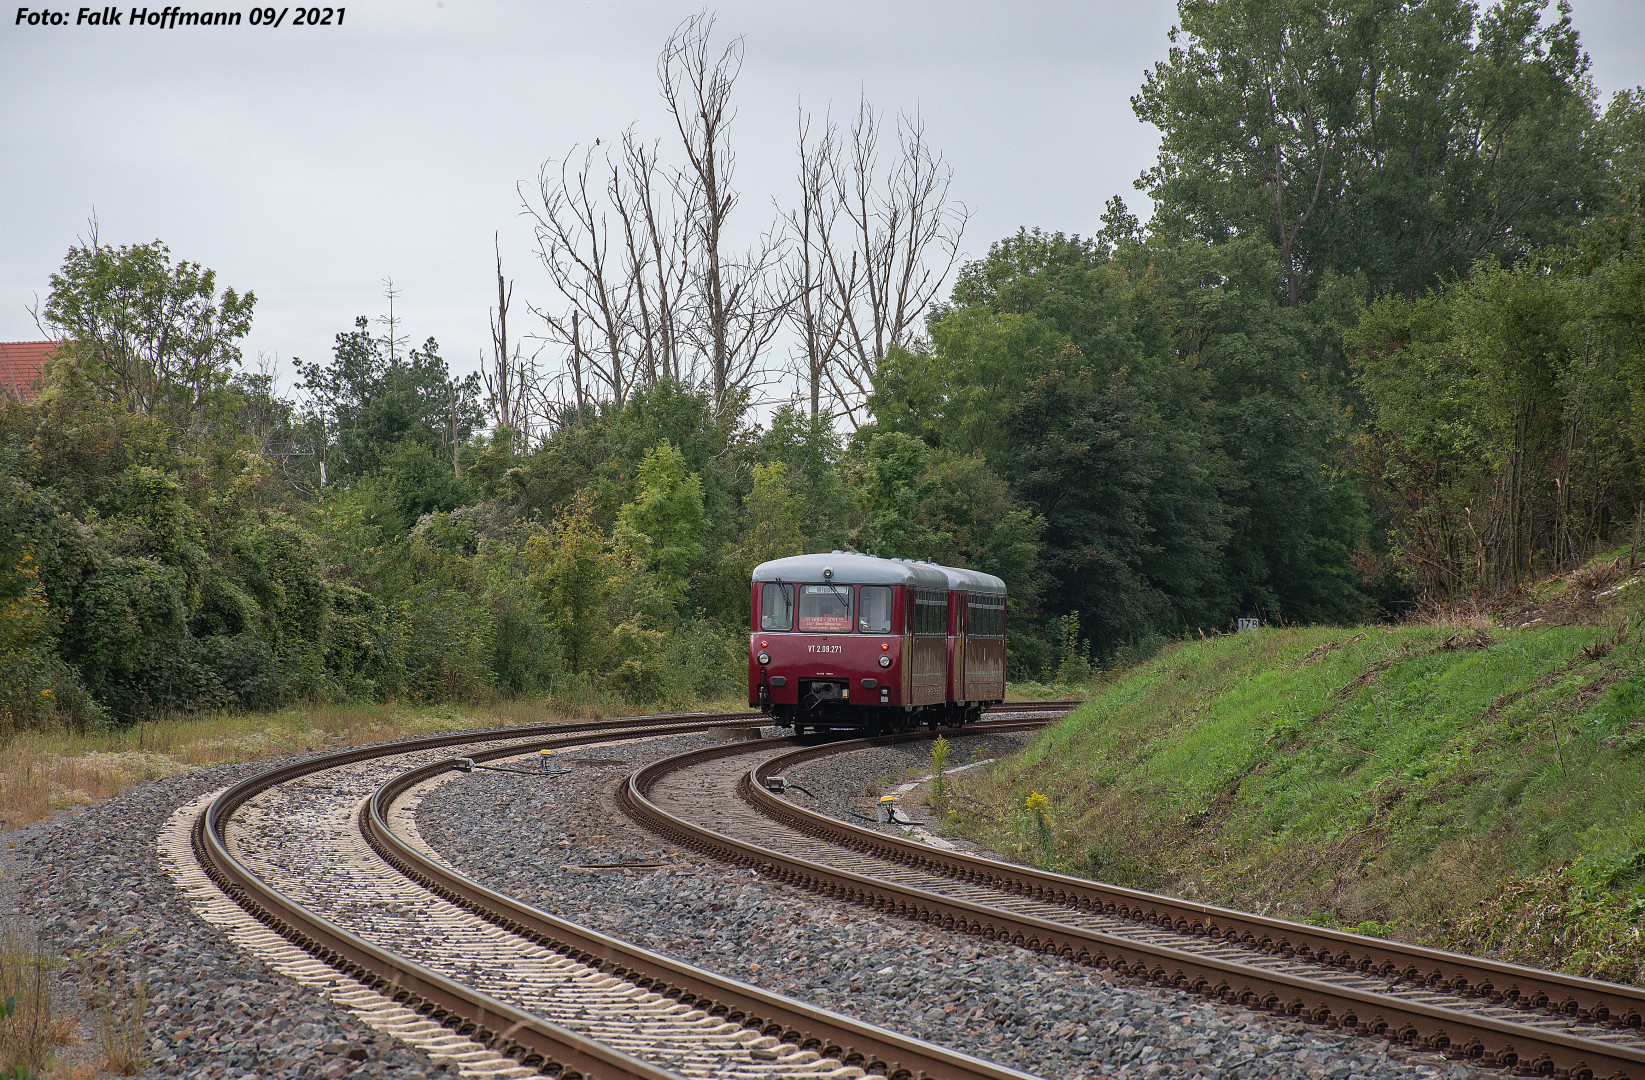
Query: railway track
{"x": 316, "y": 852}
{"x": 1535, "y": 1022}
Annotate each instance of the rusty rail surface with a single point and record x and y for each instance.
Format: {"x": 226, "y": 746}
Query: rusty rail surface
{"x": 869, "y": 1047}
{"x": 531, "y": 1040}
{"x": 1483, "y": 1039}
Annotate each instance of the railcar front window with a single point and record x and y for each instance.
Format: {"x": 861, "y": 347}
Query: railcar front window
{"x": 826, "y": 608}
{"x": 875, "y": 614}
{"x": 776, "y": 607}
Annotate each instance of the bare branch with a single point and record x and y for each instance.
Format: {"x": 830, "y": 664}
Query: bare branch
{"x": 737, "y": 303}
{"x": 887, "y": 242}
{"x": 509, "y": 378}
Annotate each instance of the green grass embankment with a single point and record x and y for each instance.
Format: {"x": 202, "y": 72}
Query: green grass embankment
{"x": 1468, "y": 786}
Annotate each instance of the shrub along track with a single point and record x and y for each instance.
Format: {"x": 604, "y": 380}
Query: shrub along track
{"x": 1531, "y": 1021}
{"x": 301, "y": 848}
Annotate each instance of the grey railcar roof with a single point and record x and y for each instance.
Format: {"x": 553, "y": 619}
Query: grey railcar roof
{"x": 854, "y": 569}
{"x": 850, "y": 567}
{"x": 974, "y": 581}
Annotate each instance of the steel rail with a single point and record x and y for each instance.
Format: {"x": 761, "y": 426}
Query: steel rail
{"x": 1589, "y": 1000}
{"x": 532, "y": 1040}
{"x": 1483, "y": 1039}
{"x": 854, "y": 1042}
{"x": 1035, "y": 706}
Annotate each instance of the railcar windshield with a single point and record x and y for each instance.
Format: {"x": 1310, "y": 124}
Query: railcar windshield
{"x": 874, "y": 613}
{"x": 826, "y": 608}
{"x": 776, "y": 607}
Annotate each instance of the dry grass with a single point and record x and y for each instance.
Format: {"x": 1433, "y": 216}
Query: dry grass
{"x": 122, "y": 1035}
{"x": 30, "y": 1036}
{"x": 43, "y": 772}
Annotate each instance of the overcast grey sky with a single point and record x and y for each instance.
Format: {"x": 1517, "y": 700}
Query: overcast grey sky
{"x": 309, "y": 164}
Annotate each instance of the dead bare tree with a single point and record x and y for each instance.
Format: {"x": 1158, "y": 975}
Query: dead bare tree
{"x": 509, "y": 377}
{"x": 893, "y": 252}
{"x": 738, "y": 303}
{"x": 815, "y": 308}
{"x": 587, "y": 268}
{"x": 391, "y": 337}
{"x": 656, "y": 213}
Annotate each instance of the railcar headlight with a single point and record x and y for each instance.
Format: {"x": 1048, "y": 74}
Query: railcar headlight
{"x": 764, "y": 658}
{"x": 885, "y": 661}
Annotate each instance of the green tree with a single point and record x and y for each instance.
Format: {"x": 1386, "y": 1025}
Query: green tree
{"x": 708, "y": 441}
{"x": 1270, "y": 381}
{"x": 668, "y": 512}
{"x": 809, "y": 450}
{"x": 890, "y": 494}
{"x": 1402, "y": 140}
{"x": 1505, "y": 436}
{"x": 148, "y": 333}
{"x": 368, "y": 405}
{"x": 773, "y": 518}
{"x": 977, "y": 523}
{"x": 570, "y": 574}
{"x": 954, "y": 394}
{"x": 409, "y": 483}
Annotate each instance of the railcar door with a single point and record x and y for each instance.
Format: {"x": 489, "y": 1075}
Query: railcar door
{"x": 928, "y": 662}
{"x": 956, "y": 646}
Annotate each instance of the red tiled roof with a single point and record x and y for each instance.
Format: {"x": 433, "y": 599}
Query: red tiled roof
{"x": 20, "y": 365}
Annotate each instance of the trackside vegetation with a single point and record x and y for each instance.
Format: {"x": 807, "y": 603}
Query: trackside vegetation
{"x": 1469, "y": 783}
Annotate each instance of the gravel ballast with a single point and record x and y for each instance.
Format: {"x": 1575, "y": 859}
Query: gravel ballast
{"x": 91, "y": 889}
{"x": 556, "y": 842}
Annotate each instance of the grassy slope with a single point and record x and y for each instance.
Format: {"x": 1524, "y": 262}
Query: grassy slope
{"x": 1408, "y": 780}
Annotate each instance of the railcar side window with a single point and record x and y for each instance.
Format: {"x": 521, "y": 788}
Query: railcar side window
{"x": 986, "y": 617}
{"x": 930, "y": 613}
{"x": 776, "y": 607}
{"x": 826, "y": 608}
{"x": 875, "y": 610}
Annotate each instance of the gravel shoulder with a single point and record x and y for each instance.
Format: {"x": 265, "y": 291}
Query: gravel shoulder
{"x": 91, "y": 889}
{"x": 560, "y": 844}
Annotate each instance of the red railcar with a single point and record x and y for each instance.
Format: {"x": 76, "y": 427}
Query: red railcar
{"x": 848, "y": 641}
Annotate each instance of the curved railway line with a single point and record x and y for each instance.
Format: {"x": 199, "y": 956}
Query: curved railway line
{"x": 715, "y": 801}
{"x": 319, "y": 852}
{"x": 307, "y": 849}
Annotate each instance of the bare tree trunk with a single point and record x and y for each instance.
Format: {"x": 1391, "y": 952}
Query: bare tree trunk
{"x": 451, "y": 399}
{"x": 577, "y": 364}
{"x": 738, "y": 310}
{"x": 596, "y": 281}
{"x": 899, "y": 242}
{"x": 817, "y": 307}
{"x": 508, "y": 383}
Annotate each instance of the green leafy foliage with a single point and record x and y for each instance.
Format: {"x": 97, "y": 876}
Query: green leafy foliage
{"x": 368, "y": 406}
{"x": 148, "y": 333}
{"x": 1401, "y": 141}
{"x": 1505, "y": 432}
{"x": 668, "y": 512}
